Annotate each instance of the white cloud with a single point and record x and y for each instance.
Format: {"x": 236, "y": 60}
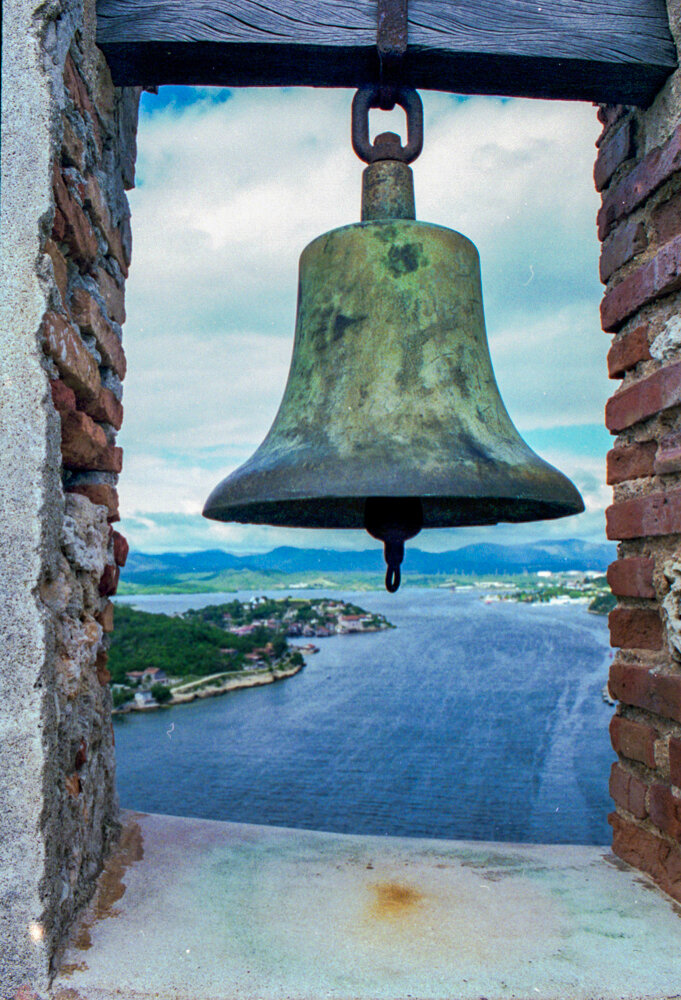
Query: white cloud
{"x": 551, "y": 369}
{"x": 198, "y": 390}
{"x": 229, "y": 194}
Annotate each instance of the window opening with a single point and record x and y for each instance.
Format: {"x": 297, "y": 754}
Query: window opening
{"x": 219, "y": 305}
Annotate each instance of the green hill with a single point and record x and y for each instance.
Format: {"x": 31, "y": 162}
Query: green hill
{"x": 179, "y": 646}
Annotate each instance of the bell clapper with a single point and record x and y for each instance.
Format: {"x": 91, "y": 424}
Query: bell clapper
{"x": 393, "y": 520}
{"x": 394, "y": 554}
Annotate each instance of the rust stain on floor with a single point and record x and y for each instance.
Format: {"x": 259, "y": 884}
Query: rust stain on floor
{"x": 394, "y": 900}
{"x": 71, "y": 967}
{"x": 110, "y": 885}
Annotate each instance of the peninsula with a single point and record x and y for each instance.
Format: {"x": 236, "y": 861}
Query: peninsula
{"x": 158, "y": 659}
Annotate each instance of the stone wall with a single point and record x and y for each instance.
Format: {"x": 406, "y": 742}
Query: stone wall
{"x": 638, "y": 172}
{"x": 68, "y": 156}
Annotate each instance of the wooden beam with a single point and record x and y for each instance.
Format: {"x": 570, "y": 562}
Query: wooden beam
{"x": 610, "y": 51}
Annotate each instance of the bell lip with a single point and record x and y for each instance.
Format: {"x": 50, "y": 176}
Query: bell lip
{"x": 347, "y": 512}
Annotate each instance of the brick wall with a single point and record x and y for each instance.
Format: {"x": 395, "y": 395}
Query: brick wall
{"x": 638, "y": 172}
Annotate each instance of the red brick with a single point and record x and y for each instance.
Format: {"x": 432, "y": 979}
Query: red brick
{"x": 659, "y": 277}
{"x": 103, "y": 675}
{"x": 675, "y": 761}
{"x": 58, "y": 267}
{"x": 106, "y": 617}
{"x": 628, "y": 350}
{"x": 627, "y": 240}
{"x": 635, "y": 628}
{"x": 99, "y": 211}
{"x": 631, "y": 461}
{"x": 668, "y": 457}
{"x": 665, "y": 810}
{"x": 111, "y": 459}
{"x": 105, "y": 408}
{"x": 634, "y": 740}
{"x": 78, "y": 91}
{"x": 71, "y": 224}
{"x": 665, "y": 220}
{"x": 64, "y": 399}
{"x": 90, "y": 319}
{"x": 120, "y": 548}
{"x": 76, "y": 365}
{"x": 641, "y": 517}
{"x": 632, "y": 577}
{"x": 645, "y": 178}
{"x": 108, "y": 582}
{"x": 649, "y": 853}
{"x": 101, "y": 494}
{"x": 113, "y": 293}
{"x": 637, "y": 685}
{"x": 628, "y": 791}
{"x": 612, "y": 153}
{"x": 645, "y": 398}
{"x": 71, "y": 146}
{"x": 82, "y": 441}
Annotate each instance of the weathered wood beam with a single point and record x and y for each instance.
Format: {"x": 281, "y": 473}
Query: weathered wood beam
{"x": 614, "y": 51}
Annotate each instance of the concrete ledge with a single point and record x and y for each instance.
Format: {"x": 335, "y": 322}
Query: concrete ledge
{"x": 221, "y": 911}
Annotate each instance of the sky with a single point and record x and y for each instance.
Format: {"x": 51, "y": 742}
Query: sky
{"x": 231, "y": 186}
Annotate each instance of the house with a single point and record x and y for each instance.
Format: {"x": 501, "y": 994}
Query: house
{"x": 144, "y": 699}
{"x": 351, "y": 623}
{"x": 255, "y": 659}
{"x": 154, "y": 675}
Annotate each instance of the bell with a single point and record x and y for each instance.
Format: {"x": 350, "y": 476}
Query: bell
{"x": 391, "y": 419}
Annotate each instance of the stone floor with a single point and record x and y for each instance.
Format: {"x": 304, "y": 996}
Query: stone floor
{"x": 219, "y": 911}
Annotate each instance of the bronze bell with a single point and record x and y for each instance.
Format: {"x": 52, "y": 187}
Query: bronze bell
{"x": 391, "y": 418}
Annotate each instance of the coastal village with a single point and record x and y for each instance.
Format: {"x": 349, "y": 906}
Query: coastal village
{"x": 547, "y": 587}
{"x": 255, "y": 644}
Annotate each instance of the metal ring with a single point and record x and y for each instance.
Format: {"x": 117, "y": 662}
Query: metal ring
{"x": 370, "y": 97}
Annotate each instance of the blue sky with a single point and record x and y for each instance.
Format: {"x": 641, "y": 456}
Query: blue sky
{"x": 230, "y": 188}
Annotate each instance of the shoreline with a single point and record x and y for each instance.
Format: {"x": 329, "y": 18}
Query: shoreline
{"x": 262, "y": 628}
{"x": 253, "y": 678}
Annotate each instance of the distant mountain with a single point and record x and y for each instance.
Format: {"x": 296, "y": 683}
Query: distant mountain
{"x": 481, "y": 559}
{"x": 209, "y": 561}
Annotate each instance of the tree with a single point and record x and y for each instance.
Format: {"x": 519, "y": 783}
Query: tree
{"x": 121, "y": 695}
{"x": 161, "y": 693}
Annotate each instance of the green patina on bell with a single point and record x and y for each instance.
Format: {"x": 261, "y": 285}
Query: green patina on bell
{"x": 391, "y": 418}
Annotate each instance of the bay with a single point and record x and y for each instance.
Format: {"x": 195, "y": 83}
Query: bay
{"x": 470, "y": 720}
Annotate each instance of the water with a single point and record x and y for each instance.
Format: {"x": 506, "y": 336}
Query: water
{"x": 469, "y": 721}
